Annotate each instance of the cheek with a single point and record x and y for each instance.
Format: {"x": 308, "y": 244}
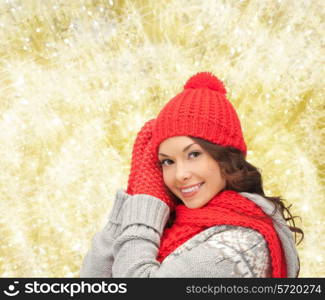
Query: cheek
{"x": 210, "y": 169}
{"x": 212, "y": 176}
{"x": 167, "y": 179}
{"x": 214, "y": 173}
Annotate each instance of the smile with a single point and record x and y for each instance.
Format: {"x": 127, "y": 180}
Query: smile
{"x": 191, "y": 191}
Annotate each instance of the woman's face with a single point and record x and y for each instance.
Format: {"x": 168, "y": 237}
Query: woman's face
{"x": 189, "y": 171}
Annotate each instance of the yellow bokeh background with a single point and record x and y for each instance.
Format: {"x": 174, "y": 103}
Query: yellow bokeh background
{"x": 78, "y": 79}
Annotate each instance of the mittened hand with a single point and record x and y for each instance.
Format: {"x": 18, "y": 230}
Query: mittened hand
{"x": 140, "y": 144}
{"x": 145, "y": 175}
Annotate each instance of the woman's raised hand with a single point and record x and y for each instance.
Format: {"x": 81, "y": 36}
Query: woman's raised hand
{"x": 145, "y": 175}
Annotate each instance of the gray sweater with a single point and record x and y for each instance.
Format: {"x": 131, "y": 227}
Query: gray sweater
{"x": 128, "y": 245}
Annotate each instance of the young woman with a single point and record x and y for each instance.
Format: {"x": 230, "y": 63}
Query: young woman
{"x": 194, "y": 207}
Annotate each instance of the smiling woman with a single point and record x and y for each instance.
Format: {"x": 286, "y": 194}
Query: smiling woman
{"x": 190, "y": 172}
{"x": 188, "y": 167}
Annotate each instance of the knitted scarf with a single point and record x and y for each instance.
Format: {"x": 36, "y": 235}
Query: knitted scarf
{"x": 226, "y": 208}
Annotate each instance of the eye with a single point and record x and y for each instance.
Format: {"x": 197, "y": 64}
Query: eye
{"x": 195, "y": 153}
{"x": 162, "y": 162}
{"x": 168, "y": 162}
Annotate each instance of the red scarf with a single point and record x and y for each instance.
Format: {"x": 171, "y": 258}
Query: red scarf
{"x": 226, "y": 208}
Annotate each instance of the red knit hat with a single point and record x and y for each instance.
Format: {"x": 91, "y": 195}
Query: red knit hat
{"x": 200, "y": 110}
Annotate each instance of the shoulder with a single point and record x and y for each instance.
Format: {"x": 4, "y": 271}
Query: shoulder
{"x": 224, "y": 251}
{"x": 240, "y": 239}
{"x": 224, "y": 236}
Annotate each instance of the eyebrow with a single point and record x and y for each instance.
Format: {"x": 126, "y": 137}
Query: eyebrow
{"x": 187, "y": 147}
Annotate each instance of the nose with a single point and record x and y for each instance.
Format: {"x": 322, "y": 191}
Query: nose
{"x": 182, "y": 173}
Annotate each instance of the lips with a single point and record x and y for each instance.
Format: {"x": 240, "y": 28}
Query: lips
{"x": 191, "y": 190}
{"x": 189, "y": 186}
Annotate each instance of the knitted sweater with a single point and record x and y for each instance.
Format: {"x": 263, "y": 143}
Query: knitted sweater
{"x": 129, "y": 243}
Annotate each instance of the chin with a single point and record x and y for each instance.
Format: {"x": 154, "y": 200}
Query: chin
{"x": 192, "y": 205}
